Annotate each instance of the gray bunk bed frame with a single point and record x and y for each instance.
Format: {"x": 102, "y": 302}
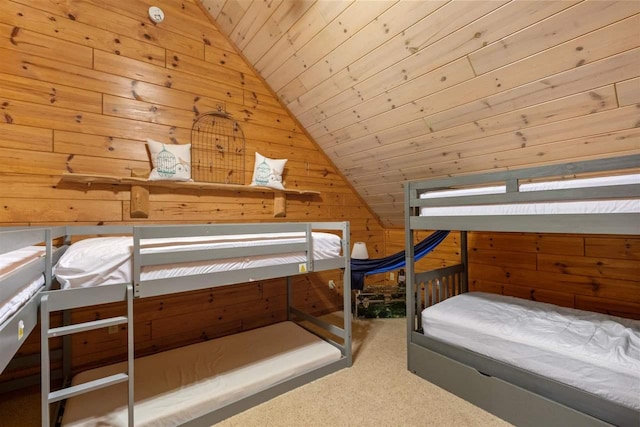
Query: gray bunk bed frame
{"x": 64, "y": 300}
{"x": 513, "y": 394}
{"x": 15, "y": 329}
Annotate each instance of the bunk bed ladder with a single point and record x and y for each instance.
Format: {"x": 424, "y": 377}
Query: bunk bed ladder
{"x": 48, "y": 397}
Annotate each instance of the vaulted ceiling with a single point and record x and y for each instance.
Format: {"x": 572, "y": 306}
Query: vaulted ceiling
{"x": 403, "y": 90}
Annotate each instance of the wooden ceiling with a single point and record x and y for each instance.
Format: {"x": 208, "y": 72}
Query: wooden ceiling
{"x": 403, "y": 90}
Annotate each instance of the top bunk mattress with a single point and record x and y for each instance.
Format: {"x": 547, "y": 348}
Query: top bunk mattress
{"x": 177, "y": 385}
{"x": 107, "y": 260}
{"x": 594, "y": 352}
{"x": 11, "y": 301}
{"x": 573, "y": 207}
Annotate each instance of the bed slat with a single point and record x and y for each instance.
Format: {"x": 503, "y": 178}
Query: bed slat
{"x": 432, "y": 287}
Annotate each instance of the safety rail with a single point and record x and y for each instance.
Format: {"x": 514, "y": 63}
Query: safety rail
{"x": 432, "y": 287}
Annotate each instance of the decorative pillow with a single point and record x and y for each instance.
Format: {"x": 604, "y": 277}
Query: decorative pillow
{"x": 268, "y": 172}
{"x": 171, "y": 162}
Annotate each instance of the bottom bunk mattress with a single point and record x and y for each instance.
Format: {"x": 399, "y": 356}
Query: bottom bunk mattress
{"x": 10, "y": 302}
{"x": 178, "y": 385}
{"x": 594, "y": 352}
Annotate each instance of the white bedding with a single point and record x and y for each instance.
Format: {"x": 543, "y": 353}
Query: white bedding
{"x": 574, "y": 207}
{"x": 9, "y": 262}
{"x": 176, "y": 385}
{"x": 107, "y": 260}
{"x": 591, "y": 351}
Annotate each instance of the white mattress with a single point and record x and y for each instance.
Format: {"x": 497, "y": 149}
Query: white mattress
{"x": 574, "y": 207}
{"x": 107, "y": 260}
{"x": 9, "y": 262}
{"x": 593, "y": 352}
{"x": 177, "y": 385}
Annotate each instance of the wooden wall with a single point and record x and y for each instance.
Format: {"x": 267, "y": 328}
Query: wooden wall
{"x": 590, "y": 272}
{"x": 595, "y": 273}
{"x": 84, "y": 83}
{"x": 445, "y": 254}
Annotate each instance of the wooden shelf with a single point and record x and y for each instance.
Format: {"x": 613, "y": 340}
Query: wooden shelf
{"x": 140, "y": 186}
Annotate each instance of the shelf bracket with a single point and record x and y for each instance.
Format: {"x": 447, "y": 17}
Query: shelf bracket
{"x": 279, "y": 205}
{"x": 139, "y": 196}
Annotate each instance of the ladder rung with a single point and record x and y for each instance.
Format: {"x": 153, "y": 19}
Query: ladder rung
{"x": 86, "y": 326}
{"x": 75, "y": 390}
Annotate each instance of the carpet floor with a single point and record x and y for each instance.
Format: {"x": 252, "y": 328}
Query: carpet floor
{"x": 377, "y": 390}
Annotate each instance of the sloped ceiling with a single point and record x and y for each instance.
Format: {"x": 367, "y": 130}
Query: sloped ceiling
{"x": 403, "y": 90}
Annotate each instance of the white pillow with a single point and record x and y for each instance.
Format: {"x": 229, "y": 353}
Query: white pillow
{"x": 171, "y": 162}
{"x": 268, "y": 172}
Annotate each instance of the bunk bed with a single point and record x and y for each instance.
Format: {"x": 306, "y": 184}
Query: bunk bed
{"x": 26, "y": 257}
{"x": 206, "y": 382}
{"x": 454, "y": 336}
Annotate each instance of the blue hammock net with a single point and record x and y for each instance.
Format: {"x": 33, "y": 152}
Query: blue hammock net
{"x": 363, "y": 267}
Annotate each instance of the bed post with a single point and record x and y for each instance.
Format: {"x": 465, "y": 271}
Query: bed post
{"x": 346, "y": 292}
{"x": 464, "y": 259}
{"x": 409, "y": 267}
{"x": 135, "y": 265}
{"x": 48, "y": 272}
{"x": 45, "y": 382}
{"x": 66, "y": 350}
{"x": 289, "y": 297}
{"x": 130, "y": 355}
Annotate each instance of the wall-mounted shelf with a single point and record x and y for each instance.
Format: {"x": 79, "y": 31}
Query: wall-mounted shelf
{"x": 140, "y": 190}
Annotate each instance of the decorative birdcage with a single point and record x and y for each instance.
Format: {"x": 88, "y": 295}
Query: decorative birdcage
{"x": 217, "y": 149}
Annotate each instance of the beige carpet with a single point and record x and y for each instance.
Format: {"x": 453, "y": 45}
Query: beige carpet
{"x": 377, "y": 391}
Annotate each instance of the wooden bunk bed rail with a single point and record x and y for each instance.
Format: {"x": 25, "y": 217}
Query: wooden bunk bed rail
{"x": 578, "y": 222}
{"x": 511, "y": 177}
{"x": 614, "y": 224}
{"x": 147, "y": 288}
{"x": 434, "y": 286}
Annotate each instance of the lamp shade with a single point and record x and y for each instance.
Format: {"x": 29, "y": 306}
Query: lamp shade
{"x": 359, "y": 251}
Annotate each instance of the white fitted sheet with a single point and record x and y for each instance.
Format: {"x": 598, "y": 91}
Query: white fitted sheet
{"x": 9, "y": 262}
{"x": 107, "y": 260}
{"x": 590, "y": 351}
{"x": 177, "y": 385}
{"x": 573, "y": 207}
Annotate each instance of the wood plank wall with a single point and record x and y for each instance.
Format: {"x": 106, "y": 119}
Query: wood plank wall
{"x": 83, "y": 84}
{"x": 590, "y": 272}
{"x": 445, "y": 254}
